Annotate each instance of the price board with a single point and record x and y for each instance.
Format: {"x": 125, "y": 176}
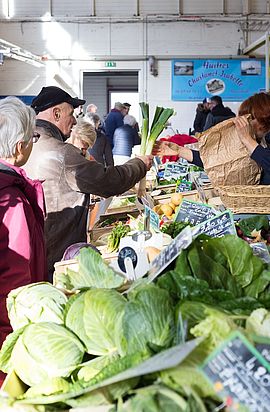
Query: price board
{"x": 169, "y": 253}
{"x": 194, "y": 212}
{"x": 175, "y": 170}
{"x": 220, "y": 225}
{"x": 240, "y": 374}
{"x": 154, "y": 218}
{"x": 183, "y": 186}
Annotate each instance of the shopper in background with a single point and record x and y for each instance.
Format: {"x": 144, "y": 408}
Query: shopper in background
{"x": 22, "y": 248}
{"x": 258, "y": 106}
{"x": 101, "y": 150}
{"x": 83, "y": 136}
{"x": 201, "y": 115}
{"x": 126, "y": 108}
{"x": 218, "y": 113}
{"x": 124, "y": 138}
{"x": 69, "y": 177}
{"x": 91, "y": 108}
{"x": 114, "y": 120}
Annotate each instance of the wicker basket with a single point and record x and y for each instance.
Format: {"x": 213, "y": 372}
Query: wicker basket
{"x": 246, "y": 199}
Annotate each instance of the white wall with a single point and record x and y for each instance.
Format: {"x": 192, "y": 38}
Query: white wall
{"x": 73, "y": 47}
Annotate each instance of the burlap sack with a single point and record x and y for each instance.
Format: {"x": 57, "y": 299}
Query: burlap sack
{"x": 226, "y": 160}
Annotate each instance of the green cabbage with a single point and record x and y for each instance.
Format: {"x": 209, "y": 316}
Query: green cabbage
{"x": 37, "y": 302}
{"x": 148, "y": 320}
{"x": 92, "y": 272}
{"x": 95, "y": 317}
{"x": 259, "y": 322}
{"x": 44, "y": 351}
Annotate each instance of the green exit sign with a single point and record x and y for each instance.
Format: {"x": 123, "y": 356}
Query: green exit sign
{"x": 110, "y": 64}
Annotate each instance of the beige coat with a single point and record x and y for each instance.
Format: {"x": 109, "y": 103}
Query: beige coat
{"x": 69, "y": 179}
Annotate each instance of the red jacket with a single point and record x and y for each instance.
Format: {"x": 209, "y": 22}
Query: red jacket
{"x": 181, "y": 140}
{"x": 22, "y": 249}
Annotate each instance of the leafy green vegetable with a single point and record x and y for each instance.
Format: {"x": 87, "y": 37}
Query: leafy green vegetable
{"x": 7, "y": 348}
{"x": 158, "y": 398}
{"x": 148, "y": 319}
{"x": 259, "y": 322}
{"x": 93, "y": 272}
{"x": 115, "y": 236}
{"x": 225, "y": 263}
{"x": 50, "y": 387}
{"x": 173, "y": 228}
{"x": 249, "y": 224}
{"x": 95, "y": 316}
{"x": 183, "y": 377}
{"x": 91, "y": 368}
{"x": 45, "y": 350}
{"x": 37, "y": 302}
{"x": 215, "y": 328}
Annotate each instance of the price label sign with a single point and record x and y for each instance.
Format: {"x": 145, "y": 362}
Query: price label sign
{"x": 194, "y": 212}
{"x": 240, "y": 375}
{"x": 220, "y": 225}
{"x": 175, "y": 170}
{"x": 168, "y": 254}
{"x": 154, "y": 218}
{"x": 183, "y": 186}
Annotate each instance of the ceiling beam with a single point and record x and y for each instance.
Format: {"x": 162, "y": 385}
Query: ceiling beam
{"x": 15, "y": 52}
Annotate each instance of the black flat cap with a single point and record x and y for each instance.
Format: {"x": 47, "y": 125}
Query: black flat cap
{"x": 51, "y": 96}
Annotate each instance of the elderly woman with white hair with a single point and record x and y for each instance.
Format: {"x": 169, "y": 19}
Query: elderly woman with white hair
{"x": 83, "y": 136}
{"x": 22, "y": 248}
{"x": 124, "y": 138}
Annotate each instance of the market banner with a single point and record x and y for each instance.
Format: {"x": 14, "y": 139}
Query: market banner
{"x": 234, "y": 80}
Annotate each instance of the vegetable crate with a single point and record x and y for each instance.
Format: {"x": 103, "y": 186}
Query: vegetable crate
{"x": 246, "y": 199}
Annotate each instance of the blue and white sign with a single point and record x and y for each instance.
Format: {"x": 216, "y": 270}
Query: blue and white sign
{"x": 233, "y": 80}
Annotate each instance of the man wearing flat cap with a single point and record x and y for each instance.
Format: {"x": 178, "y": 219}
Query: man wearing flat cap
{"x": 69, "y": 178}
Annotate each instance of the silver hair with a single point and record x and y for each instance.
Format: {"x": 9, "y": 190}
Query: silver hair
{"x": 91, "y": 106}
{"x": 92, "y": 118}
{"x": 17, "y": 123}
{"x": 128, "y": 119}
{"x": 119, "y": 106}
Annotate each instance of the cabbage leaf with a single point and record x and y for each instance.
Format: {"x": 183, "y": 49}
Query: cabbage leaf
{"x": 92, "y": 272}
{"x": 148, "y": 320}
{"x": 95, "y": 317}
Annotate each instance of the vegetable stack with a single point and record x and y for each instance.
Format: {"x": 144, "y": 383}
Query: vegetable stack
{"x": 149, "y": 136}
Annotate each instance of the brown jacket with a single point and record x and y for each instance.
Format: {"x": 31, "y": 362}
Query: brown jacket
{"x": 69, "y": 179}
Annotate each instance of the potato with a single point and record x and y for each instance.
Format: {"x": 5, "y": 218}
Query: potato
{"x": 152, "y": 252}
{"x": 156, "y": 208}
{"x": 172, "y": 205}
{"x": 166, "y": 210}
{"x": 176, "y": 198}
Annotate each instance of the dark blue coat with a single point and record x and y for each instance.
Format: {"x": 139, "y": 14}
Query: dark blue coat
{"x": 112, "y": 121}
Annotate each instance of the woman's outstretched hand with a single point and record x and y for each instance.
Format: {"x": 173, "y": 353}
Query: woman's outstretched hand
{"x": 164, "y": 148}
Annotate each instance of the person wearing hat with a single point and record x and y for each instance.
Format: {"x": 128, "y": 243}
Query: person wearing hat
{"x": 69, "y": 178}
{"x": 201, "y": 115}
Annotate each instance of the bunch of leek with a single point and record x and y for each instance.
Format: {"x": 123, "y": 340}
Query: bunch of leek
{"x": 148, "y": 139}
